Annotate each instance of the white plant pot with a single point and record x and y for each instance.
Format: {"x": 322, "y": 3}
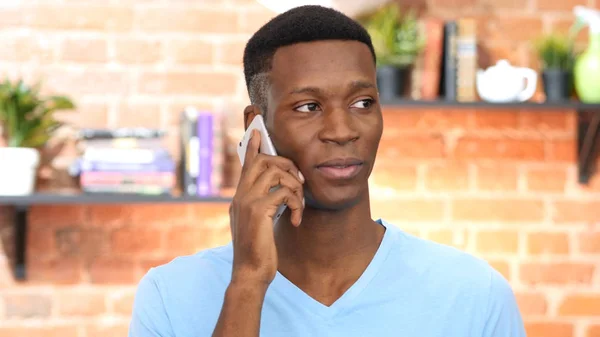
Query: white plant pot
{"x": 352, "y": 8}
{"x": 18, "y": 170}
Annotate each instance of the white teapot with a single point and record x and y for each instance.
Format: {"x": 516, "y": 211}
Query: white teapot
{"x": 504, "y": 83}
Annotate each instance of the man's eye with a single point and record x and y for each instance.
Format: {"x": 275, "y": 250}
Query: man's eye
{"x": 308, "y": 107}
{"x": 363, "y": 104}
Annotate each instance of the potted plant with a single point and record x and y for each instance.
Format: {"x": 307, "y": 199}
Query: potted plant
{"x": 556, "y": 56}
{"x": 397, "y": 43}
{"x": 27, "y": 121}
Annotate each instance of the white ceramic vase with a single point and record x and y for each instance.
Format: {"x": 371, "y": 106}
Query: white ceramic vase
{"x": 18, "y": 170}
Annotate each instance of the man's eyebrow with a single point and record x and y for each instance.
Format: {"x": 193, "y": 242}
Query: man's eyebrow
{"x": 361, "y": 85}
{"x": 354, "y": 85}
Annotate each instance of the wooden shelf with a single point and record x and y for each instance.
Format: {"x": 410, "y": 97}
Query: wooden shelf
{"x": 22, "y": 204}
{"x": 567, "y": 105}
{"x": 74, "y": 198}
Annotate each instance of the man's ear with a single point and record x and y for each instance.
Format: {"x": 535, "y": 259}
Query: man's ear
{"x": 250, "y": 112}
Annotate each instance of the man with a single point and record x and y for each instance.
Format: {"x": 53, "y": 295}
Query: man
{"x": 326, "y": 268}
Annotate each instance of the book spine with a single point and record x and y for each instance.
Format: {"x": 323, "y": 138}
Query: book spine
{"x": 189, "y": 156}
{"x": 451, "y": 30}
{"x": 466, "y": 59}
{"x": 205, "y": 144}
{"x": 161, "y": 165}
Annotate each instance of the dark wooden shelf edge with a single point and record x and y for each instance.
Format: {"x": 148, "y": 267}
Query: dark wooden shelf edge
{"x": 22, "y": 204}
{"x": 569, "y": 105}
{"x": 57, "y": 199}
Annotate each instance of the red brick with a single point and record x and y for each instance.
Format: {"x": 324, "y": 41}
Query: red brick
{"x": 503, "y": 267}
{"x": 230, "y": 52}
{"x": 75, "y": 82}
{"x": 452, "y": 4}
{"x": 562, "y": 25}
{"x": 397, "y": 118}
{"x": 548, "y": 243}
{"x": 593, "y": 331}
{"x": 546, "y": 179}
{"x": 108, "y": 216}
{"x": 508, "y": 4}
{"x": 47, "y": 330}
{"x": 210, "y": 214}
{"x": 138, "y": 51}
{"x": 494, "y": 210}
{"x": 165, "y": 19}
{"x": 93, "y": 115}
{"x": 564, "y": 151}
{"x": 54, "y": 271}
{"x": 398, "y": 178}
{"x": 25, "y": 305}
{"x": 189, "y": 240}
{"x": 77, "y": 302}
{"x": 41, "y": 241}
{"x": 510, "y": 27}
{"x": 250, "y": 21}
{"x": 559, "y": 5}
{"x": 449, "y": 177}
{"x": 580, "y": 305}
{"x": 86, "y": 243}
{"x": 139, "y": 114}
{"x": 531, "y": 303}
{"x": 187, "y": 83}
{"x": 190, "y": 51}
{"x": 177, "y": 106}
{"x": 106, "y": 329}
{"x": 572, "y": 211}
{"x": 113, "y": 271}
{"x": 413, "y": 147}
{"x": 501, "y": 149}
{"x": 496, "y": 177}
{"x": 492, "y": 51}
{"x": 147, "y": 263}
{"x": 122, "y": 302}
{"x": 589, "y": 242}
{"x": 11, "y": 17}
{"x": 88, "y": 17}
{"x": 496, "y": 119}
{"x": 548, "y": 329}
{"x": 497, "y": 242}
{"x": 131, "y": 241}
{"x": 150, "y": 214}
{"x": 545, "y": 120}
{"x": 556, "y": 273}
{"x": 22, "y": 48}
{"x": 409, "y": 210}
{"x": 56, "y": 217}
{"x": 84, "y": 50}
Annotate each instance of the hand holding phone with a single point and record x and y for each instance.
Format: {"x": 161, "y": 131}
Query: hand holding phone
{"x": 268, "y": 184}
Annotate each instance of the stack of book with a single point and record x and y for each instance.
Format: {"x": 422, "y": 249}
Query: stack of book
{"x": 126, "y": 160}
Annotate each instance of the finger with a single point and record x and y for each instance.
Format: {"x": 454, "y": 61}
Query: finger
{"x": 274, "y": 176}
{"x": 252, "y": 149}
{"x": 263, "y": 162}
{"x": 285, "y": 195}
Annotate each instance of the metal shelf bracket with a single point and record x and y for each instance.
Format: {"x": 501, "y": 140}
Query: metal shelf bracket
{"x": 588, "y": 137}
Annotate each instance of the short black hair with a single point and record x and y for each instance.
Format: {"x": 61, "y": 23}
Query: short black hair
{"x": 301, "y": 24}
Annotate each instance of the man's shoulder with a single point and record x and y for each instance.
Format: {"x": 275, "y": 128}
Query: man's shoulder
{"x": 445, "y": 264}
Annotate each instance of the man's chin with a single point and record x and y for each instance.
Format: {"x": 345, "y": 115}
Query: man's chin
{"x": 332, "y": 202}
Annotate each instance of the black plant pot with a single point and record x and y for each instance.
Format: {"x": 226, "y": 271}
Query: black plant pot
{"x": 392, "y": 82}
{"x": 558, "y": 84}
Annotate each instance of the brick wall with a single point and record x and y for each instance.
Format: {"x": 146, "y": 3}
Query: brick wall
{"x": 499, "y": 184}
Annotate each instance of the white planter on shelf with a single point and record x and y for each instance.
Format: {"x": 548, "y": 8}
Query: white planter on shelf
{"x": 18, "y": 170}
{"x": 352, "y": 8}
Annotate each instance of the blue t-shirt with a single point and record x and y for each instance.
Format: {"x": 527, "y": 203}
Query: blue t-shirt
{"x": 411, "y": 288}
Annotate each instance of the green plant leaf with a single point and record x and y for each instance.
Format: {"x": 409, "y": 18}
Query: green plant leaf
{"x": 27, "y": 117}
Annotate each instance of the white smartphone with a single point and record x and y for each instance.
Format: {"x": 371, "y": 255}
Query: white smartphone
{"x": 266, "y": 147}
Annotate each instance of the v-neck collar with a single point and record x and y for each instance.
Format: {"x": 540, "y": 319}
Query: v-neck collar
{"x": 296, "y": 295}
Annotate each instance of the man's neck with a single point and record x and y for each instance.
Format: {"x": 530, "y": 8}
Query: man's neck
{"x": 329, "y": 250}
